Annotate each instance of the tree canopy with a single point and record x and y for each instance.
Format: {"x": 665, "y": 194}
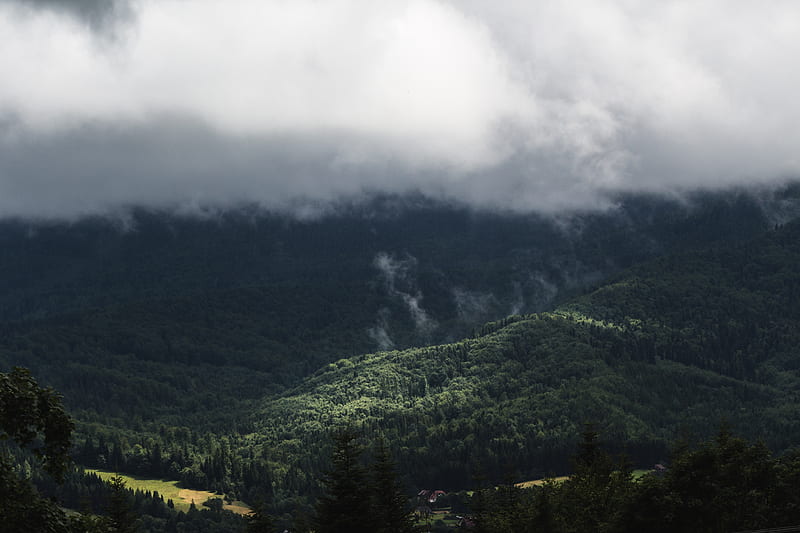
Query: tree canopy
{"x": 33, "y": 418}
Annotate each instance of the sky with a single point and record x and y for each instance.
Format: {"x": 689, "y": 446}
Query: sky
{"x": 525, "y": 106}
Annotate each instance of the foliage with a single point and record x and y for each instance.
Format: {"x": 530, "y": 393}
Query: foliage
{"x": 33, "y": 418}
{"x": 259, "y": 521}
{"x": 23, "y": 509}
{"x": 360, "y": 499}
{"x": 119, "y": 512}
{"x": 724, "y": 484}
{"x": 675, "y": 345}
{"x": 388, "y": 507}
{"x": 219, "y": 352}
{"x": 341, "y": 508}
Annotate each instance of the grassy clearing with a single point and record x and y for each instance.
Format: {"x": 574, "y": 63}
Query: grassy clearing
{"x": 636, "y": 474}
{"x": 170, "y": 490}
{"x": 537, "y": 482}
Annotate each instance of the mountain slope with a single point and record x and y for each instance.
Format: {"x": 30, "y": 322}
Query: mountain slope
{"x": 679, "y": 344}
{"x": 174, "y": 368}
{"x": 188, "y": 308}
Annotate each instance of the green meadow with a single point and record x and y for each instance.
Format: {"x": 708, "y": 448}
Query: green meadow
{"x": 171, "y": 490}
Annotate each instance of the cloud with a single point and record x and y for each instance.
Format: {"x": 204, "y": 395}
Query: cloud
{"x": 515, "y": 105}
{"x": 399, "y": 277}
{"x": 380, "y": 332}
{"x": 473, "y": 307}
{"x": 101, "y": 16}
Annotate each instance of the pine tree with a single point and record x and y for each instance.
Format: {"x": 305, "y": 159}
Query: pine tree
{"x": 259, "y": 521}
{"x": 119, "y": 510}
{"x": 597, "y": 487}
{"x": 344, "y": 508}
{"x": 389, "y": 509}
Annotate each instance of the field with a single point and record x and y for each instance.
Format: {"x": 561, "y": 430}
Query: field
{"x": 527, "y": 484}
{"x": 535, "y": 482}
{"x": 170, "y": 490}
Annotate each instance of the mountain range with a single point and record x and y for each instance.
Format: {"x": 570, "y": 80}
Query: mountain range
{"x": 221, "y": 348}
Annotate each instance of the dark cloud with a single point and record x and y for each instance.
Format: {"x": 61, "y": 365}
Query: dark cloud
{"x": 514, "y": 105}
{"x": 99, "y": 15}
{"x": 181, "y": 164}
{"x": 185, "y": 164}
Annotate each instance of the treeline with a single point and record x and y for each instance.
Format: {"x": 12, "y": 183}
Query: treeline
{"x": 37, "y": 479}
{"x": 204, "y": 462}
{"x": 722, "y": 485}
{"x": 136, "y": 510}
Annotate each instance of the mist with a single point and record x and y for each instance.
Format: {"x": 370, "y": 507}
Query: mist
{"x": 523, "y": 106}
{"x": 400, "y": 282}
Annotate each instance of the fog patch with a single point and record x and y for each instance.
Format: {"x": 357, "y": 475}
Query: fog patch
{"x": 473, "y": 306}
{"x": 545, "y": 290}
{"x": 517, "y": 303}
{"x": 400, "y": 282}
{"x": 779, "y": 205}
{"x": 380, "y": 331}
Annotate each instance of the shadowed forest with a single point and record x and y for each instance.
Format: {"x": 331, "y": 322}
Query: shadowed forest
{"x": 322, "y": 370}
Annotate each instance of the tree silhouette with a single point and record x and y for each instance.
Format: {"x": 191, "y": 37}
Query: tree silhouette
{"x": 33, "y": 418}
{"x": 119, "y": 509}
{"x": 389, "y": 506}
{"x": 259, "y": 521}
{"x": 345, "y": 505}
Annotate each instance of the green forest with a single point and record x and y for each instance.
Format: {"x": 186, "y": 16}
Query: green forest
{"x": 722, "y": 484}
{"x": 239, "y": 360}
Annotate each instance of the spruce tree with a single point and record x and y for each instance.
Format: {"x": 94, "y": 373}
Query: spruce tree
{"x": 119, "y": 510}
{"x": 259, "y": 521}
{"x": 389, "y": 509}
{"x": 345, "y": 506}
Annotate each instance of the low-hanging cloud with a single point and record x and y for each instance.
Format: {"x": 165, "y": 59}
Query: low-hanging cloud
{"x": 400, "y": 281}
{"x": 379, "y": 333}
{"x": 517, "y": 105}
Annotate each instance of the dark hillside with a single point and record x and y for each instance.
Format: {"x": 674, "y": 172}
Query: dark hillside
{"x": 672, "y": 347}
{"x": 283, "y": 296}
{"x": 181, "y": 345}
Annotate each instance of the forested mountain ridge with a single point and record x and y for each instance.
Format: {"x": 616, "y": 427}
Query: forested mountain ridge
{"x": 674, "y": 346}
{"x": 102, "y": 309}
{"x": 50, "y": 268}
{"x": 234, "y": 382}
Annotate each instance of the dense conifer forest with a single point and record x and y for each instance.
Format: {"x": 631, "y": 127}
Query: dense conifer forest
{"x": 448, "y": 349}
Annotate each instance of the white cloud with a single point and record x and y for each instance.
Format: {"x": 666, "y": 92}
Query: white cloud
{"x": 522, "y": 105}
{"x": 418, "y": 78}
